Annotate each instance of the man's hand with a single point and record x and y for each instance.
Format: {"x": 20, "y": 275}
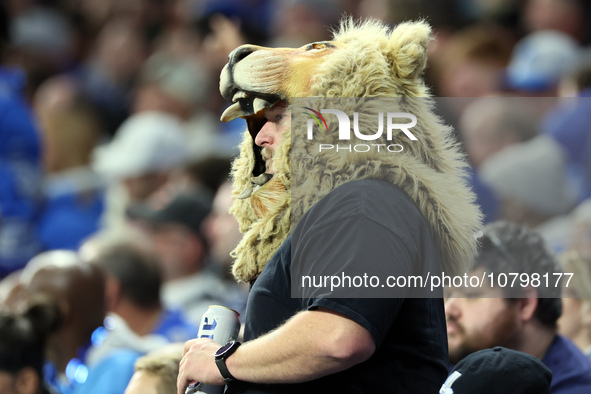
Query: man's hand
{"x": 198, "y": 364}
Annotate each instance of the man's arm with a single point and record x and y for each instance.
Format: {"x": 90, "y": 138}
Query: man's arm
{"x": 308, "y": 346}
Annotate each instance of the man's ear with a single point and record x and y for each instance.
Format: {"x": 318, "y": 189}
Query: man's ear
{"x": 198, "y": 250}
{"x": 112, "y": 293}
{"x": 27, "y": 381}
{"x": 528, "y": 304}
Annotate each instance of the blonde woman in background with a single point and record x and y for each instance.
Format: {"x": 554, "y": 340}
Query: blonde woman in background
{"x": 575, "y": 322}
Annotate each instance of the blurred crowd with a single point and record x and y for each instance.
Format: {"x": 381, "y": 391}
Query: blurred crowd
{"x": 114, "y": 166}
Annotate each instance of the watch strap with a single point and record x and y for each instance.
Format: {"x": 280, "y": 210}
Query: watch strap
{"x": 220, "y": 361}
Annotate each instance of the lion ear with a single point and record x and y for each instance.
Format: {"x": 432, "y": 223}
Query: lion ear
{"x": 408, "y": 48}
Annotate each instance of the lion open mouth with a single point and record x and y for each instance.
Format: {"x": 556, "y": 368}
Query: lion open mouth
{"x": 250, "y": 107}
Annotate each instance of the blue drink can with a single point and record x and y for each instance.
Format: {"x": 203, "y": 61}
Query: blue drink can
{"x": 222, "y": 325}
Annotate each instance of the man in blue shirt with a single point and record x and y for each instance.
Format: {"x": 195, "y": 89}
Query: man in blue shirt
{"x": 520, "y": 317}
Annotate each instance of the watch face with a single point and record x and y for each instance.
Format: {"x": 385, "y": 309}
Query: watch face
{"x": 224, "y": 349}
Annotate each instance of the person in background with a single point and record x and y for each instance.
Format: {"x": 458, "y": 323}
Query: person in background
{"x": 580, "y": 238}
{"x": 568, "y": 125}
{"x": 221, "y": 229}
{"x": 20, "y": 164}
{"x": 566, "y": 16}
{"x": 223, "y": 234}
{"x": 42, "y": 41}
{"x": 22, "y": 344}
{"x": 179, "y": 86}
{"x": 570, "y": 232}
{"x": 471, "y": 61}
{"x": 575, "y": 322}
{"x": 156, "y": 372}
{"x": 490, "y": 124}
{"x": 142, "y": 157}
{"x": 487, "y": 126}
{"x": 529, "y": 180}
{"x": 78, "y": 289}
{"x": 174, "y": 227}
{"x": 518, "y": 318}
{"x": 10, "y": 291}
{"x": 132, "y": 290}
{"x": 111, "y": 67}
{"x": 209, "y": 173}
{"x": 539, "y": 61}
{"x": 73, "y": 191}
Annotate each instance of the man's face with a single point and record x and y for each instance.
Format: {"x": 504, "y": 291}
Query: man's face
{"x": 270, "y": 135}
{"x": 221, "y": 227}
{"x": 173, "y": 245}
{"x": 25, "y": 381}
{"x": 7, "y": 383}
{"x": 481, "y": 321}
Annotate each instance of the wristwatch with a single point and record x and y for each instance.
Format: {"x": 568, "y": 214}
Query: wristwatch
{"x": 220, "y": 359}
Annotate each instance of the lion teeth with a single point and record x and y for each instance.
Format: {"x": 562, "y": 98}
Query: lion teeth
{"x": 261, "y": 179}
{"x": 240, "y": 94}
{"x": 259, "y": 104}
{"x": 245, "y": 105}
{"x": 232, "y": 112}
{"x": 245, "y": 193}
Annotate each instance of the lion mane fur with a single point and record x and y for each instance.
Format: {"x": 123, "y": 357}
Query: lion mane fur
{"x": 373, "y": 62}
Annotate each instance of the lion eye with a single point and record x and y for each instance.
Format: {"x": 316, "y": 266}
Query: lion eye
{"x": 319, "y": 45}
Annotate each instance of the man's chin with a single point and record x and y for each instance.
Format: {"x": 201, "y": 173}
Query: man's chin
{"x": 456, "y": 354}
{"x": 458, "y": 348}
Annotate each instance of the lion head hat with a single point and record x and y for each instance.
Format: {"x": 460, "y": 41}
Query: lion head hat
{"x": 364, "y": 60}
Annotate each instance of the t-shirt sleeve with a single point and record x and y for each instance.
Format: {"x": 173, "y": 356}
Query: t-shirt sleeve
{"x": 344, "y": 266}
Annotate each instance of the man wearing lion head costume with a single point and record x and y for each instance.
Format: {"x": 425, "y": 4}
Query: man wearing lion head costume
{"x": 307, "y": 211}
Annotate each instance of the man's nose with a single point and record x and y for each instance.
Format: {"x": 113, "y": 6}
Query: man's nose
{"x": 452, "y": 307}
{"x": 264, "y": 137}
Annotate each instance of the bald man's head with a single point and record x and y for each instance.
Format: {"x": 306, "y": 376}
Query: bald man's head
{"x": 78, "y": 288}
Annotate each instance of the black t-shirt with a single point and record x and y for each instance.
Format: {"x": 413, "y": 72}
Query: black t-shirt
{"x": 362, "y": 226}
